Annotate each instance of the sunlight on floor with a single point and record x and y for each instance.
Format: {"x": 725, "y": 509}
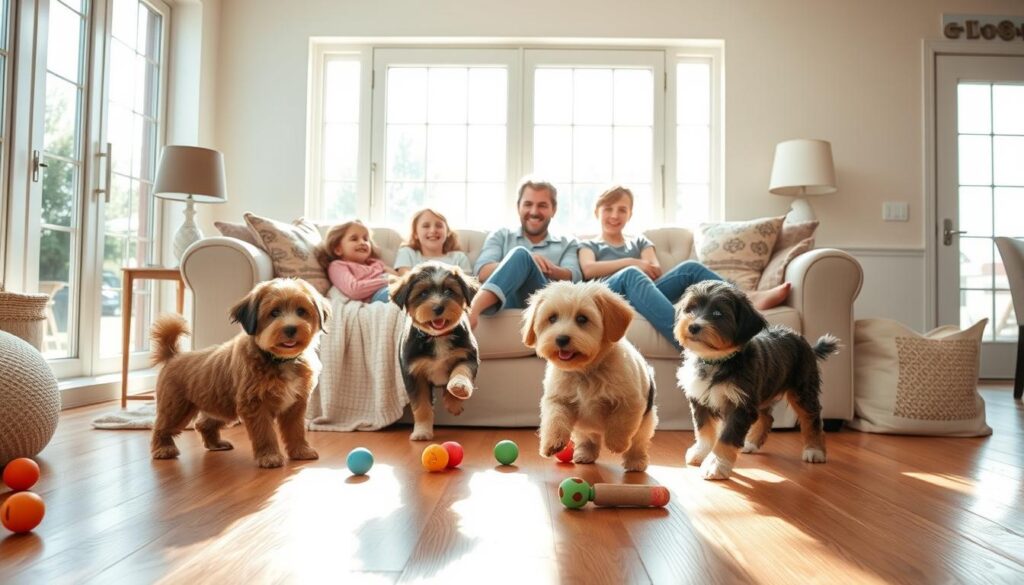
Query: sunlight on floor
{"x": 993, "y": 495}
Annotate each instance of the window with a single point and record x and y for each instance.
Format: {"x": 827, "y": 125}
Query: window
{"x": 456, "y": 128}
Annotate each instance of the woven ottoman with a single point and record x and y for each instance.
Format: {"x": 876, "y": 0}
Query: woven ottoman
{"x": 29, "y": 400}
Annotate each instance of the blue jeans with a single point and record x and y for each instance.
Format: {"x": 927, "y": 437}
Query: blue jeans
{"x": 514, "y": 280}
{"x": 381, "y": 296}
{"x": 654, "y": 300}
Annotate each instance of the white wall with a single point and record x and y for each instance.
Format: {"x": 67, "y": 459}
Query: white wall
{"x": 847, "y": 72}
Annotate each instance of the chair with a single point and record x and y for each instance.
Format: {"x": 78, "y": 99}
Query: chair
{"x": 1012, "y": 252}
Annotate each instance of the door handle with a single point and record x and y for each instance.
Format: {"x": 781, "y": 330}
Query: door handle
{"x": 109, "y": 155}
{"x": 37, "y": 163}
{"x": 948, "y": 232}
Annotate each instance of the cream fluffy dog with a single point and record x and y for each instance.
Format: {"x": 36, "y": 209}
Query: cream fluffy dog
{"x": 597, "y": 385}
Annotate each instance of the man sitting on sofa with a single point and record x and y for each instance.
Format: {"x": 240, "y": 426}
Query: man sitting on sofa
{"x": 514, "y": 263}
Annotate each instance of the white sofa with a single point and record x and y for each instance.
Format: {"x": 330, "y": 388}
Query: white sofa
{"x": 825, "y": 282}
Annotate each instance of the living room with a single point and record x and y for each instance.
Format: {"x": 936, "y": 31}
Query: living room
{"x": 310, "y": 109}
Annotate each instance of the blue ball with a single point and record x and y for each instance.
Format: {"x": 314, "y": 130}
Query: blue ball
{"x": 360, "y": 460}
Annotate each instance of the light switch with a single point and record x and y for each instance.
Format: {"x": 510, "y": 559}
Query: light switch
{"x": 895, "y": 211}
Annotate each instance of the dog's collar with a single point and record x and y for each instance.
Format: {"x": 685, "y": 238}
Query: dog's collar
{"x": 717, "y": 361}
{"x": 278, "y": 360}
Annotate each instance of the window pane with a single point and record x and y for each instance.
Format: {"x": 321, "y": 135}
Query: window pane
{"x": 406, "y": 88}
{"x": 55, "y": 254}
{"x": 448, "y": 198}
{"x": 976, "y": 305}
{"x": 402, "y": 200}
{"x": 975, "y": 160}
{"x": 446, "y": 100}
{"x": 553, "y": 96}
{"x": 643, "y": 209}
{"x": 446, "y": 153}
{"x": 592, "y": 154}
{"x": 122, "y": 80}
{"x": 1006, "y": 319}
{"x": 1008, "y": 160}
{"x": 339, "y": 200}
{"x": 125, "y": 22}
{"x": 592, "y": 96}
{"x": 693, "y": 93}
{"x": 1008, "y": 109}
{"x": 60, "y": 133}
{"x": 976, "y": 260}
{"x": 406, "y": 153}
{"x": 1009, "y": 214}
{"x": 59, "y": 182}
{"x": 488, "y": 95}
{"x": 693, "y": 204}
{"x": 485, "y": 205}
{"x": 634, "y": 99}
{"x": 341, "y": 92}
{"x": 64, "y": 42}
{"x": 341, "y": 152}
{"x": 693, "y": 152}
{"x": 119, "y": 132}
{"x": 552, "y": 153}
{"x": 486, "y": 153}
{"x": 632, "y": 155}
{"x": 974, "y": 112}
{"x": 976, "y": 210}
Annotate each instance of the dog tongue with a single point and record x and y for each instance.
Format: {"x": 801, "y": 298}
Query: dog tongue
{"x": 566, "y": 355}
{"x": 438, "y": 323}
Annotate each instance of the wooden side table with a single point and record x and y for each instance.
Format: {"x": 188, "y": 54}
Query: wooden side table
{"x": 127, "y": 288}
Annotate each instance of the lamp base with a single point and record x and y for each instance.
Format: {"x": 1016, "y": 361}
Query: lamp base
{"x": 188, "y": 233}
{"x": 801, "y": 210}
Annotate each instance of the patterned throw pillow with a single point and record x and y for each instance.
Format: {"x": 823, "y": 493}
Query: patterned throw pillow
{"x": 795, "y": 239}
{"x": 239, "y": 231}
{"x": 292, "y": 248}
{"x": 738, "y": 250}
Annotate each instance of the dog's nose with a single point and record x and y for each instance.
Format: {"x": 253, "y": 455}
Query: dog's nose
{"x": 290, "y": 330}
{"x": 694, "y": 328}
{"x": 438, "y": 309}
{"x": 562, "y": 340}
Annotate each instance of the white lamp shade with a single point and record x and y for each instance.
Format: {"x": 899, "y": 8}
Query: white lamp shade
{"x": 803, "y": 167}
{"x": 191, "y": 172}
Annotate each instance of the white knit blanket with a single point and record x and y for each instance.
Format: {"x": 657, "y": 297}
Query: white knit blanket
{"x": 361, "y": 387}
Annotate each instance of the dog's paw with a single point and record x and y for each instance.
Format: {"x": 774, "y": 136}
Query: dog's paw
{"x": 166, "y": 452}
{"x": 421, "y": 433}
{"x": 638, "y": 463}
{"x": 221, "y": 445}
{"x": 460, "y": 387}
{"x": 617, "y": 444}
{"x": 270, "y": 460}
{"x": 695, "y": 454}
{"x": 812, "y": 455}
{"x": 715, "y": 468}
{"x": 453, "y": 405}
{"x": 749, "y": 447}
{"x": 586, "y": 453}
{"x": 303, "y": 452}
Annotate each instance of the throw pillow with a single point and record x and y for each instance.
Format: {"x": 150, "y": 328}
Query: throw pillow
{"x": 239, "y": 231}
{"x": 738, "y": 250}
{"x": 795, "y": 239}
{"x": 292, "y": 249}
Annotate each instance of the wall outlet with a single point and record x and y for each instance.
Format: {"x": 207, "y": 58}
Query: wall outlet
{"x": 895, "y": 211}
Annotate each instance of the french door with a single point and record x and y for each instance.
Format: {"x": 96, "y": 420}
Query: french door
{"x": 93, "y": 138}
{"x": 979, "y": 138}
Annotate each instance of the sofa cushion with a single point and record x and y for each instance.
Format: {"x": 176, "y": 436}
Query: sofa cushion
{"x": 738, "y": 250}
{"x": 291, "y": 248}
{"x": 500, "y": 335}
{"x": 239, "y": 231}
{"x": 795, "y": 239}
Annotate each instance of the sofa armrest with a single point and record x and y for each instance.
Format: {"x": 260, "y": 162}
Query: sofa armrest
{"x": 220, "y": 271}
{"x": 825, "y": 284}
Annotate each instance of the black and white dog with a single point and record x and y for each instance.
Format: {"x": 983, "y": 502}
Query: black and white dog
{"x": 735, "y": 367}
{"x": 437, "y": 347}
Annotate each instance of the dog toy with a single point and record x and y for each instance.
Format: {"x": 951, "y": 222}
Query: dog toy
{"x": 454, "y": 453}
{"x": 359, "y": 461}
{"x": 21, "y": 474}
{"x": 22, "y": 512}
{"x": 575, "y": 493}
{"x": 565, "y": 455}
{"x": 435, "y": 458}
{"x": 506, "y": 452}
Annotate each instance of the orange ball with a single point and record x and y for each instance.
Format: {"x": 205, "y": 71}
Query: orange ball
{"x": 22, "y": 512}
{"x": 435, "y": 458}
{"x": 21, "y": 474}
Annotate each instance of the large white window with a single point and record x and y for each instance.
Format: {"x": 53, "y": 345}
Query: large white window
{"x": 393, "y": 130}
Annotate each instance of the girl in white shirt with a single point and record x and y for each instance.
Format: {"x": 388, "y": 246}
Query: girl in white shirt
{"x": 430, "y": 238}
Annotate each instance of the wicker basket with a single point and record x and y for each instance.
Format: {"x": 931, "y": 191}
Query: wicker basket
{"x": 24, "y": 316}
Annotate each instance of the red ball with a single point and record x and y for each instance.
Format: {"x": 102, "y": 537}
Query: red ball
{"x": 22, "y": 512}
{"x": 454, "y": 453}
{"x": 565, "y": 455}
{"x": 21, "y": 474}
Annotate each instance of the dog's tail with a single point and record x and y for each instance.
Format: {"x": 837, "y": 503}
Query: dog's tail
{"x": 165, "y": 333}
{"x": 827, "y": 345}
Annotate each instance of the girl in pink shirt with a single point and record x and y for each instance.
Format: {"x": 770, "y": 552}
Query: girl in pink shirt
{"x": 352, "y": 265}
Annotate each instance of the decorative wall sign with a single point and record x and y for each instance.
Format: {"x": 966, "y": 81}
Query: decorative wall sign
{"x": 985, "y": 27}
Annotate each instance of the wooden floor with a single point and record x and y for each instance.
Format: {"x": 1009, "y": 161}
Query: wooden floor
{"x": 884, "y": 509}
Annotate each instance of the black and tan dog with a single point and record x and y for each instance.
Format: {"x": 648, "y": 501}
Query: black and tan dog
{"x": 262, "y": 375}
{"x": 437, "y": 348}
{"x": 735, "y": 367}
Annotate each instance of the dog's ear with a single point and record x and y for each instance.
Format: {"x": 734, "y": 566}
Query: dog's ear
{"x": 530, "y": 316}
{"x": 749, "y": 322}
{"x": 470, "y": 286}
{"x": 398, "y": 289}
{"x": 247, "y": 311}
{"x": 323, "y": 307}
{"x": 616, "y": 314}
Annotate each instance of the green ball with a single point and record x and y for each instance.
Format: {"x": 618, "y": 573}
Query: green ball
{"x": 574, "y": 492}
{"x": 506, "y": 452}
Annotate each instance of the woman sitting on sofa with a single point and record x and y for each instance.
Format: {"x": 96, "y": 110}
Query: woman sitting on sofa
{"x": 630, "y": 267}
